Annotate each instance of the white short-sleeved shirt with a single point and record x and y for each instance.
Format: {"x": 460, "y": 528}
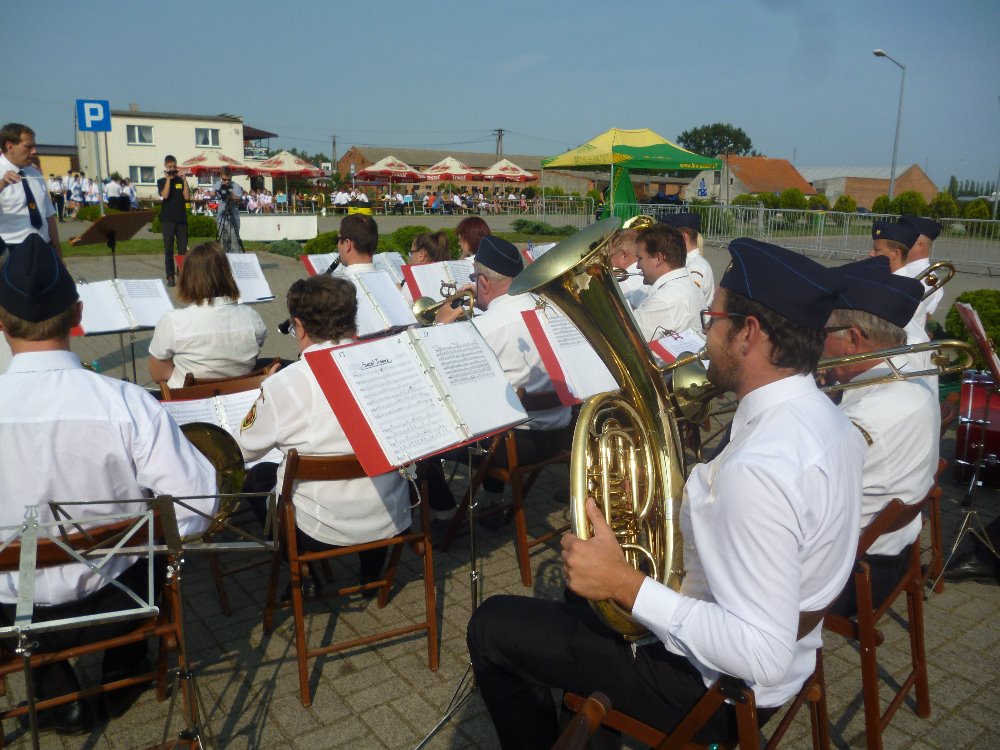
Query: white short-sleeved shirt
{"x": 916, "y": 333}
{"x": 634, "y": 289}
{"x": 292, "y": 412}
{"x": 67, "y": 434}
{"x": 504, "y": 329}
{"x": 702, "y": 275}
{"x": 674, "y": 304}
{"x": 903, "y": 422}
{"x": 770, "y": 530}
{"x": 217, "y": 340}
{"x": 15, "y": 224}
{"x": 913, "y": 269}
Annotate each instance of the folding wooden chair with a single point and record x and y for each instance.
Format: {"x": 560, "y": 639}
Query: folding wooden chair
{"x": 932, "y": 571}
{"x": 588, "y": 718}
{"x": 894, "y": 516}
{"x": 164, "y": 626}
{"x": 209, "y": 388}
{"x": 735, "y": 691}
{"x": 521, "y": 478}
{"x": 190, "y": 379}
{"x": 331, "y": 468}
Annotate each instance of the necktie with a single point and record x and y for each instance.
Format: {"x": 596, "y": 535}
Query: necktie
{"x": 33, "y": 213}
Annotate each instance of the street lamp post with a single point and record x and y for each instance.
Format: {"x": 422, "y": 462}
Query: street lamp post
{"x": 996, "y": 191}
{"x": 899, "y": 117}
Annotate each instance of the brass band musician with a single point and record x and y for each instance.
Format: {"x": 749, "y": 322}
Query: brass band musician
{"x": 689, "y": 225}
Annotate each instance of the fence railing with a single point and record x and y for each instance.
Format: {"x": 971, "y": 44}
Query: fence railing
{"x": 971, "y": 244}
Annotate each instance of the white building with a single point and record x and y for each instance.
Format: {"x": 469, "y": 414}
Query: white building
{"x": 138, "y": 142}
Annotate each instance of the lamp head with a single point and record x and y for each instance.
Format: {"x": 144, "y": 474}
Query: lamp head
{"x": 879, "y": 53}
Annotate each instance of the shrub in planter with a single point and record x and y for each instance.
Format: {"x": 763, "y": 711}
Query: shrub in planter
{"x": 287, "y": 248}
{"x": 323, "y": 243}
{"x": 402, "y": 239}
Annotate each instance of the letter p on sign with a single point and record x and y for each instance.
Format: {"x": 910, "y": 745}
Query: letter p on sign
{"x": 93, "y": 115}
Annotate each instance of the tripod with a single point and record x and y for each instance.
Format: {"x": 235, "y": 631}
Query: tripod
{"x": 229, "y": 231}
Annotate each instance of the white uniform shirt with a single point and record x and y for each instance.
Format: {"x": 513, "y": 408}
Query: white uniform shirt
{"x": 634, "y": 289}
{"x": 702, "y": 275}
{"x": 292, "y": 412}
{"x": 903, "y": 421}
{"x": 913, "y": 269}
{"x": 770, "y": 530}
{"x": 113, "y": 189}
{"x": 505, "y": 331}
{"x": 67, "y": 434}
{"x": 220, "y": 339}
{"x": 674, "y": 304}
{"x": 15, "y": 224}
{"x": 916, "y": 333}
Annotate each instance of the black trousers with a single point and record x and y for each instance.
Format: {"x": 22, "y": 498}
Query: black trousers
{"x": 173, "y": 230}
{"x": 59, "y": 201}
{"x": 59, "y": 679}
{"x": 886, "y": 571}
{"x": 262, "y": 478}
{"x": 522, "y": 647}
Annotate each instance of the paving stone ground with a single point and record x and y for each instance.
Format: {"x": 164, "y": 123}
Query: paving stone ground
{"x": 386, "y": 697}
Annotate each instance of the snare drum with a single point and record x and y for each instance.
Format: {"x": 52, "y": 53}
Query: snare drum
{"x": 976, "y": 388}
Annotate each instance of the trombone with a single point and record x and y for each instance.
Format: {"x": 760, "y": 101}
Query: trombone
{"x": 425, "y": 308}
{"x": 932, "y": 279}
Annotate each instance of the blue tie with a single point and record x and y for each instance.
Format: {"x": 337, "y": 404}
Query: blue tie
{"x": 33, "y": 213}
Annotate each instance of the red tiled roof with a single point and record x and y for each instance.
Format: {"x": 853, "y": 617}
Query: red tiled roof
{"x": 761, "y": 174}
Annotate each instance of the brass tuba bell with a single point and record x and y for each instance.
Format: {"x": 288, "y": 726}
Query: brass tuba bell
{"x": 627, "y": 451}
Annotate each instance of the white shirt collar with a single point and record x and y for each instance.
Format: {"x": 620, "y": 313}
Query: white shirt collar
{"x": 677, "y": 273}
{"x": 769, "y": 397}
{"x": 41, "y": 361}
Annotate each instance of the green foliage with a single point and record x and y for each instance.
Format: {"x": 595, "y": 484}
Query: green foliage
{"x": 792, "y": 198}
{"x": 453, "y": 247}
{"x": 321, "y": 244}
{"x": 402, "y": 239}
{"x": 555, "y": 191}
{"x": 745, "y": 199}
{"x": 528, "y": 226}
{"x": 770, "y": 200}
{"x": 819, "y": 202}
{"x": 845, "y": 204}
{"x": 910, "y": 203}
{"x": 385, "y": 244}
{"x": 987, "y": 304}
{"x": 881, "y": 205}
{"x": 943, "y": 207}
{"x": 717, "y": 138}
{"x": 953, "y": 187}
{"x": 977, "y": 209}
{"x": 200, "y": 225}
{"x": 594, "y": 195}
{"x": 287, "y": 248}
{"x": 93, "y": 212}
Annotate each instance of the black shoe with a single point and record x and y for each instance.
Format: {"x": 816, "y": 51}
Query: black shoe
{"x": 68, "y": 719}
{"x": 171, "y": 281}
{"x": 969, "y": 567}
{"x": 311, "y": 588}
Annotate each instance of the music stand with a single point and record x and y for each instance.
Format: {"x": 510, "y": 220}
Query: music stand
{"x": 971, "y": 522}
{"x": 108, "y": 230}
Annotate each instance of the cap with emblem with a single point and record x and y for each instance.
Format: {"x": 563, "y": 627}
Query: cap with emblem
{"x": 871, "y": 287}
{"x": 927, "y": 227}
{"x": 898, "y": 231}
{"x": 689, "y": 220}
{"x": 788, "y": 283}
{"x": 500, "y": 256}
{"x": 34, "y": 283}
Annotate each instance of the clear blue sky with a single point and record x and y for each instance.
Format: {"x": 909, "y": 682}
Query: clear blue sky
{"x": 800, "y": 79}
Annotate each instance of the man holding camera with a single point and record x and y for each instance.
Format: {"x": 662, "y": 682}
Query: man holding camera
{"x": 228, "y": 194}
{"x": 174, "y": 192}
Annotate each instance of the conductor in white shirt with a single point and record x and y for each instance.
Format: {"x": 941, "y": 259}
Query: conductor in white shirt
{"x": 674, "y": 302}
{"x": 784, "y": 495}
{"x": 68, "y": 434}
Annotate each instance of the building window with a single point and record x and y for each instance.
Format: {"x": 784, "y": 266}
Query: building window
{"x": 206, "y": 178}
{"x": 139, "y": 135}
{"x": 206, "y": 137}
{"x": 142, "y": 175}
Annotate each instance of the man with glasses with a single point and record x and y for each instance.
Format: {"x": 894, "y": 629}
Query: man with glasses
{"x": 229, "y": 194}
{"x": 356, "y": 244}
{"x": 784, "y": 496}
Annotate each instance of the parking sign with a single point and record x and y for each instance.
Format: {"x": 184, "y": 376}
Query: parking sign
{"x": 93, "y": 115}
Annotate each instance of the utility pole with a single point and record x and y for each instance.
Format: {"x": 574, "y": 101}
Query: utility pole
{"x": 499, "y": 134}
{"x": 333, "y": 159}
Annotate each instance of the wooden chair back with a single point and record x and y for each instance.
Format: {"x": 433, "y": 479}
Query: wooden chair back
{"x": 216, "y": 388}
{"x": 275, "y": 363}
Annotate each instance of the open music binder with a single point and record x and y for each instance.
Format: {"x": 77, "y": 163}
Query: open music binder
{"x": 390, "y": 262}
{"x": 574, "y": 368}
{"x": 413, "y": 394}
{"x": 426, "y": 280}
{"x": 248, "y": 275}
{"x": 974, "y": 324}
{"x": 381, "y": 308}
{"x": 225, "y": 411}
{"x": 668, "y": 348}
{"x": 119, "y": 305}
{"x": 318, "y": 263}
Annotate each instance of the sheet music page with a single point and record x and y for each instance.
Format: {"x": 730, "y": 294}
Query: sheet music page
{"x": 319, "y": 263}
{"x": 430, "y": 276}
{"x": 392, "y": 264}
{"x": 233, "y": 407}
{"x": 398, "y": 398}
{"x": 470, "y": 374}
{"x": 102, "y": 308}
{"x": 147, "y": 299}
{"x": 585, "y": 373}
{"x": 380, "y": 305}
{"x": 195, "y": 410}
{"x": 974, "y": 324}
{"x": 670, "y": 347}
{"x": 249, "y": 277}
{"x": 537, "y": 251}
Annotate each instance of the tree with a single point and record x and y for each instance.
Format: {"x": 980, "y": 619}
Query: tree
{"x": 792, "y": 198}
{"x": 819, "y": 202}
{"x": 770, "y": 200}
{"x": 910, "y": 203}
{"x": 953, "y": 187}
{"x": 845, "y": 204}
{"x": 977, "y": 209}
{"x": 943, "y": 207}
{"x": 881, "y": 205}
{"x": 717, "y": 138}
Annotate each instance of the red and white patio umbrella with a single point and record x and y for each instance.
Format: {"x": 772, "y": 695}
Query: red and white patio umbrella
{"x": 508, "y": 170}
{"x": 390, "y": 168}
{"x": 285, "y": 163}
{"x": 212, "y": 161}
{"x": 451, "y": 168}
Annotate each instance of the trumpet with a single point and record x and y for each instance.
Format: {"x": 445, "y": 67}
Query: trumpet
{"x": 934, "y": 281}
{"x": 425, "y": 308}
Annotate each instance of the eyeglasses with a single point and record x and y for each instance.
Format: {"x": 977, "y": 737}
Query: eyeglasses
{"x": 342, "y": 239}
{"x": 836, "y": 329}
{"x": 708, "y": 317}
{"x": 474, "y": 276}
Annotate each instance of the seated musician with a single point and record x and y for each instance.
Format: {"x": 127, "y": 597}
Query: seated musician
{"x": 471, "y": 231}
{"x": 900, "y": 421}
{"x": 357, "y": 240}
{"x": 770, "y": 529}
{"x": 624, "y": 257}
{"x": 292, "y": 412}
{"x": 429, "y": 247}
{"x": 919, "y": 257}
{"x": 68, "y": 434}
{"x": 213, "y": 337}
{"x": 674, "y": 301}
{"x": 689, "y": 225}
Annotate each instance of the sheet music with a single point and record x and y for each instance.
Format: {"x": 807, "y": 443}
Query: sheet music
{"x": 102, "y": 308}
{"x": 670, "y": 347}
{"x": 471, "y": 375}
{"x": 970, "y": 317}
{"x": 400, "y": 402}
{"x": 537, "y": 251}
{"x": 146, "y": 299}
{"x": 249, "y": 277}
{"x": 380, "y": 305}
{"x": 319, "y": 263}
{"x": 392, "y": 264}
{"x": 430, "y": 276}
{"x": 195, "y": 410}
{"x": 586, "y": 374}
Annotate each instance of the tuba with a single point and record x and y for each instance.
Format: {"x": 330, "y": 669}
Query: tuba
{"x": 627, "y": 451}
{"x": 223, "y": 452}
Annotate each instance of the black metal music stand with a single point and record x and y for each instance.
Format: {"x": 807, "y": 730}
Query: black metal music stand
{"x": 108, "y": 230}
